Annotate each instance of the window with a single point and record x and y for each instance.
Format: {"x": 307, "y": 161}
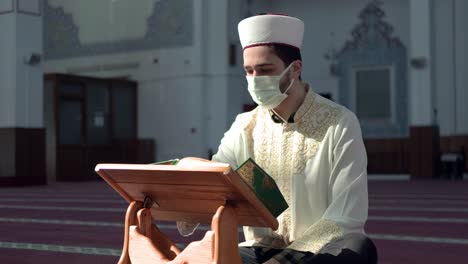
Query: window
{"x": 373, "y": 93}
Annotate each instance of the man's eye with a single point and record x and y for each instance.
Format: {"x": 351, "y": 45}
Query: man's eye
{"x": 264, "y": 71}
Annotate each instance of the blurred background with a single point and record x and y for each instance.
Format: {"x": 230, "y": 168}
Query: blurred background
{"x": 85, "y": 82}
{"x": 115, "y": 80}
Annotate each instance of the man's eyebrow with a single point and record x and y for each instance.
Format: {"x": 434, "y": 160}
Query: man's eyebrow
{"x": 263, "y": 64}
{"x": 259, "y": 65}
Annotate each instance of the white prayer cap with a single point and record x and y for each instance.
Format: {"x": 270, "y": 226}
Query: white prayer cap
{"x": 271, "y": 29}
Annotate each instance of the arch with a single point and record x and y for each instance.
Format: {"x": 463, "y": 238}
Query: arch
{"x": 373, "y": 46}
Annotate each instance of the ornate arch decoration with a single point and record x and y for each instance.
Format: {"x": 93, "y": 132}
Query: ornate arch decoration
{"x": 170, "y": 25}
{"x": 373, "y": 45}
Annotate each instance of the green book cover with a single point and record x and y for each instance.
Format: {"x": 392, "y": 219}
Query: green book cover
{"x": 167, "y": 162}
{"x": 263, "y": 186}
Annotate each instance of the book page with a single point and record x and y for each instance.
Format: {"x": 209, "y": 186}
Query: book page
{"x": 199, "y": 162}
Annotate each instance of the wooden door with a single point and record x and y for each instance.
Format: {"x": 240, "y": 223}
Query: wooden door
{"x": 70, "y": 116}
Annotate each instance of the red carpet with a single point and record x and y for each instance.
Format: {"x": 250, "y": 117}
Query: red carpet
{"x": 410, "y": 222}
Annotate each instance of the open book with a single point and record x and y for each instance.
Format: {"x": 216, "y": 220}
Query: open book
{"x": 262, "y": 184}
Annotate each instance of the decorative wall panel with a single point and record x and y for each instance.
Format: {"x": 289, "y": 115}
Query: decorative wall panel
{"x": 373, "y": 46}
{"x": 170, "y": 25}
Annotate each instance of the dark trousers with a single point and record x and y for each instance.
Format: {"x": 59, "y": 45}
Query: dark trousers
{"x": 353, "y": 249}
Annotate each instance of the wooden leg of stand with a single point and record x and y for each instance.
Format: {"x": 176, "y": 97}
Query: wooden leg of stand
{"x": 160, "y": 240}
{"x": 163, "y": 243}
{"x": 220, "y": 245}
{"x": 130, "y": 219}
{"x": 224, "y": 224}
{"x": 144, "y": 221}
{"x": 197, "y": 252}
{"x": 142, "y": 250}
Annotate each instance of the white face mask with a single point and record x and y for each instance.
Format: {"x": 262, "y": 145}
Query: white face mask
{"x": 265, "y": 90}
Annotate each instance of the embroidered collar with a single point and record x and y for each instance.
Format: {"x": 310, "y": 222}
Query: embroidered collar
{"x": 303, "y": 108}
{"x": 276, "y": 119}
{"x": 306, "y": 105}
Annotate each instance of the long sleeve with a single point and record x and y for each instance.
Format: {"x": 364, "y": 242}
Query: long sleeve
{"x": 226, "y": 150}
{"x": 232, "y": 147}
{"x": 347, "y": 189}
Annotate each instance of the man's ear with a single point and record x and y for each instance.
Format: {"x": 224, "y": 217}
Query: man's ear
{"x": 296, "y": 69}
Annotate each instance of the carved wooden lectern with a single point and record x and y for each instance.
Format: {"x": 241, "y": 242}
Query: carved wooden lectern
{"x": 210, "y": 193}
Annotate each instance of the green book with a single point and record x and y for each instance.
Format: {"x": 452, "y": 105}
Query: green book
{"x": 263, "y": 186}
{"x": 167, "y": 162}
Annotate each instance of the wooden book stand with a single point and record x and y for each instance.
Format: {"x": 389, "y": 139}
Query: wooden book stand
{"x": 192, "y": 193}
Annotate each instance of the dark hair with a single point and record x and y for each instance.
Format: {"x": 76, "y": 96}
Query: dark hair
{"x": 287, "y": 54}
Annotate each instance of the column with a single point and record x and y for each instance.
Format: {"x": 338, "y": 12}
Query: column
{"x": 215, "y": 69}
{"x": 424, "y": 134}
{"x": 22, "y": 156}
{"x": 460, "y": 95}
{"x": 421, "y": 63}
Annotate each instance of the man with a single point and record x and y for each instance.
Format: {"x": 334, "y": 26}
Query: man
{"x": 311, "y": 146}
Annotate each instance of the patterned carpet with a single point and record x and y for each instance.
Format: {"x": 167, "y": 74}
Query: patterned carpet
{"x": 410, "y": 222}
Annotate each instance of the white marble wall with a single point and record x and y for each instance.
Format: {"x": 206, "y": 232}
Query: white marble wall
{"x": 191, "y": 95}
{"x": 444, "y": 65}
{"x": 450, "y": 66}
{"x": 421, "y": 99}
{"x": 21, "y": 85}
{"x": 460, "y": 96}
{"x": 7, "y": 67}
